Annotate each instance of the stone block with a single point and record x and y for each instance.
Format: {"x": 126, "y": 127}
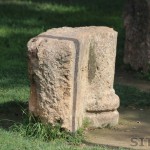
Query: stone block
{"x": 72, "y": 74}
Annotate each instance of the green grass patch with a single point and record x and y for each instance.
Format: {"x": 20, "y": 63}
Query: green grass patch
{"x": 132, "y": 97}
{"x": 33, "y": 127}
{"x": 14, "y": 141}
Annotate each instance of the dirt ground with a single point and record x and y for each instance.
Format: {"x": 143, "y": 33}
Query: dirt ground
{"x": 133, "y": 130}
{"x": 133, "y": 125}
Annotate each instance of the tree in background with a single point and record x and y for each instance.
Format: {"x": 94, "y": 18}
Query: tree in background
{"x": 137, "y": 27}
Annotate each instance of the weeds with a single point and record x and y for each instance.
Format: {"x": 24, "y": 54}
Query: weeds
{"x": 33, "y": 127}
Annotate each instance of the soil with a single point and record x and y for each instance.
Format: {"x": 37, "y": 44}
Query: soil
{"x": 133, "y": 130}
{"x": 133, "y": 125}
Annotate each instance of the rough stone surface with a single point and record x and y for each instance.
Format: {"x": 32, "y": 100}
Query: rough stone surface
{"x": 72, "y": 74}
{"x": 137, "y": 41}
{"x": 103, "y": 119}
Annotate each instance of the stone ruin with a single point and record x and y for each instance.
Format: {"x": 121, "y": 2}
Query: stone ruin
{"x": 72, "y": 74}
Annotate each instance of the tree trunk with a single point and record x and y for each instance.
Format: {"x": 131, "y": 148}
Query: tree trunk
{"x": 137, "y": 27}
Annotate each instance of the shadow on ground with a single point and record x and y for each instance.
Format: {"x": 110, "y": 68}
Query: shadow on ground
{"x": 11, "y": 113}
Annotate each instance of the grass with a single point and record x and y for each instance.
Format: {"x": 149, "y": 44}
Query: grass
{"x": 24, "y": 19}
{"x": 132, "y": 97}
{"x": 32, "y": 127}
{"x": 20, "y": 143}
{"x": 11, "y": 141}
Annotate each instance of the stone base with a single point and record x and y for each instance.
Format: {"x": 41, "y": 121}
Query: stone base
{"x": 103, "y": 119}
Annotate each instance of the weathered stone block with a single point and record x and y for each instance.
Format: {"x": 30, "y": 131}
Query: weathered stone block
{"x": 72, "y": 74}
